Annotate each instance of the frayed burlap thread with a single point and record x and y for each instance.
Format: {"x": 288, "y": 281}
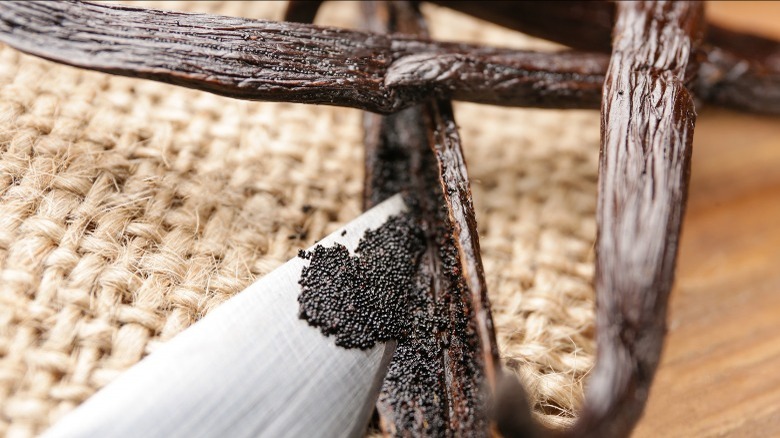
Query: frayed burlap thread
{"x": 129, "y": 209}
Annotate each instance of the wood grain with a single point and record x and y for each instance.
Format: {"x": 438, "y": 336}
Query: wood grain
{"x": 719, "y": 370}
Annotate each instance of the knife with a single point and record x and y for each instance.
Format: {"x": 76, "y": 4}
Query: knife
{"x": 249, "y": 368}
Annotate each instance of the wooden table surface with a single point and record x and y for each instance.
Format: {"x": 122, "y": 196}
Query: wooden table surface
{"x": 720, "y": 371}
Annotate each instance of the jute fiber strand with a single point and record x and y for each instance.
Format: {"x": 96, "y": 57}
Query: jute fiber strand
{"x": 130, "y": 209}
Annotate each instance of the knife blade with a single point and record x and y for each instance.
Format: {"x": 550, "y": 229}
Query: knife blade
{"x": 249, "y": 368}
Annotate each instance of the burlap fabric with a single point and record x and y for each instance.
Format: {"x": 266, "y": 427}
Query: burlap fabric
{"x": 129, "y": 209}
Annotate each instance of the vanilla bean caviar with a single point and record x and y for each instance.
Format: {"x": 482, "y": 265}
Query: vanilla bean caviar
{"x": 402, "y": 285}
{"x": 363, "y": 299}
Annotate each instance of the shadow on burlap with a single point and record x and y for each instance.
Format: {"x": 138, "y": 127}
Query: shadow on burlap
{"x": 129, "y": 209}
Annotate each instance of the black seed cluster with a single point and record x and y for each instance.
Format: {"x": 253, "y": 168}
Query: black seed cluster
{"x": 413, "y": 394}
{"x": 434, "y": 382}
{"x": 363, "y": 299}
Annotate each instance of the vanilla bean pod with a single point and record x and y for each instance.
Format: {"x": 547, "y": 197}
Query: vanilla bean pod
{"x": 582, "y": 25}
{"x": 264, "y": 60}
{"x": 741, "y": 71}
{"x": 298, "y": 11}
{"x": 236, "y": 57}
{"x": 291, "y": 62}
{"x": 738, "y": 70}
{"x": 418, "y": 396}
{"x": 647, "y": 122}
{"x": 561, "y": 80}
{"x": 436, "y": 384}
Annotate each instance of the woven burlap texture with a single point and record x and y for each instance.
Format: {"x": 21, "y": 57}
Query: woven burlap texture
{"x": 129, "y": 209}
